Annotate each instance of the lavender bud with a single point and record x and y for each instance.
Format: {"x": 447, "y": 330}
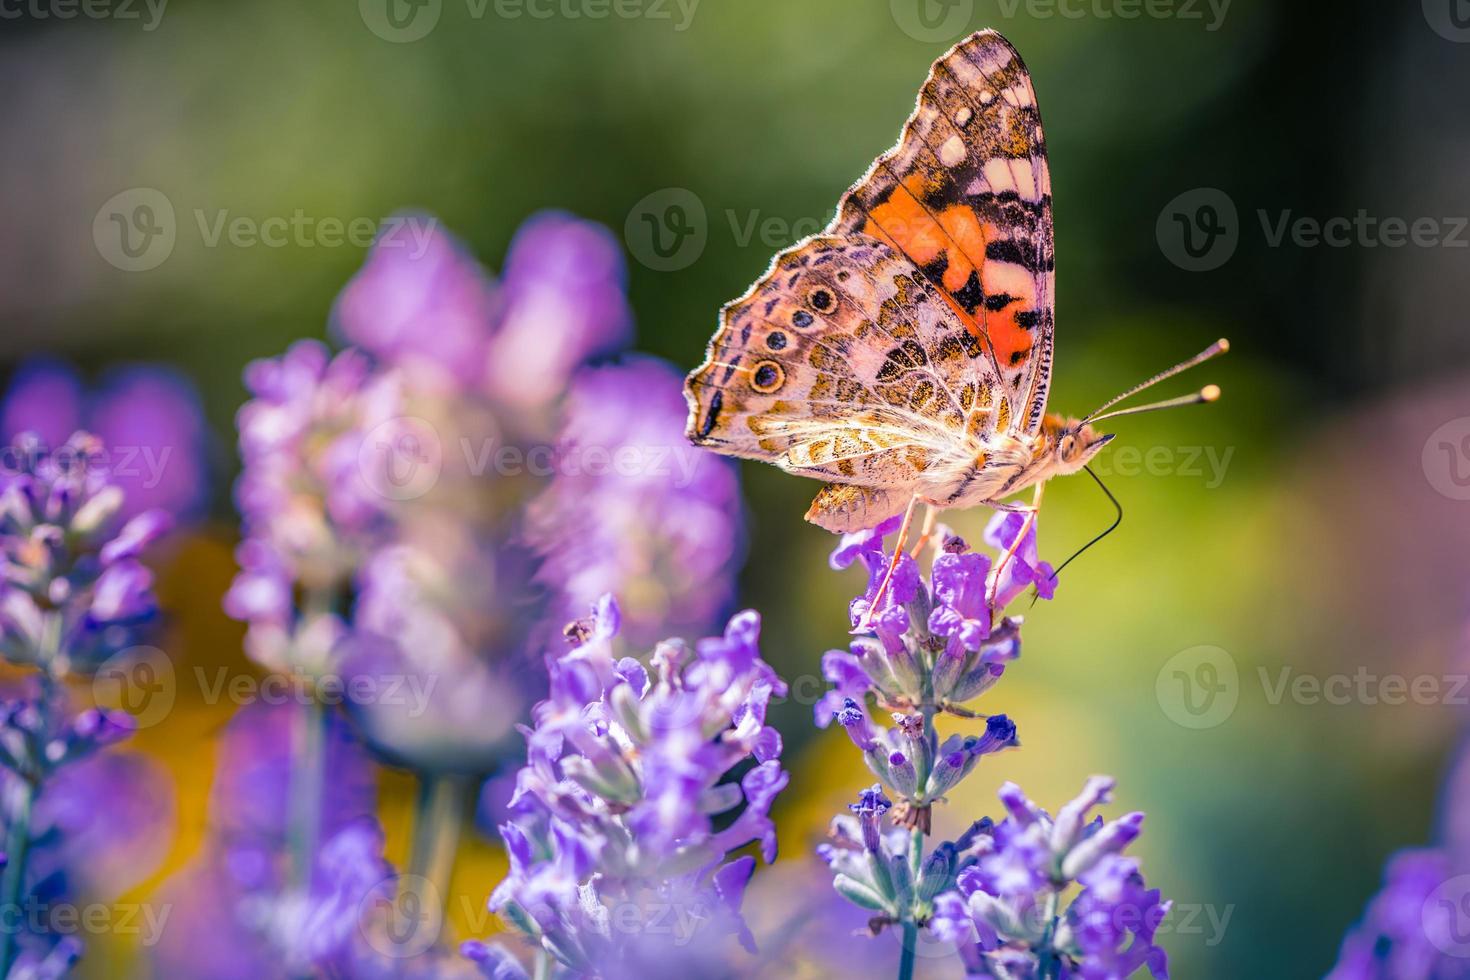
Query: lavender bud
{"x": 1110, "y": 839}
{"x": 855, "y": 721}
{"x": 938, "y": 873}
{"x": 860, "y": 894}
{"x": 902, "y": 776}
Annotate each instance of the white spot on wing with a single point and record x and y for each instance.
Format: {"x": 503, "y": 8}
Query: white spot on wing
{"x": 952, "y": 152}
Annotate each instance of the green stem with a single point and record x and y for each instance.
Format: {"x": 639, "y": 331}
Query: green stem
{"x": 543, "y": 965}
{"x": 13, "y": 880}
{"x": 438, "y": 822}
{"x": 1049, "y": 962}
{"x": 306, "y": 789}
{"x": 910, "y": 947}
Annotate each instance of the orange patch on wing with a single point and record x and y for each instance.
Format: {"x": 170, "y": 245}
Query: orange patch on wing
{"x": 959, "y": 236}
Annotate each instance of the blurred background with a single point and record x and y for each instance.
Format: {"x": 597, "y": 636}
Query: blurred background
{"x": 1285, "y": 175}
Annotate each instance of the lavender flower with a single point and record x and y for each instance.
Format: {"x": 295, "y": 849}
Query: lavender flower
{"x": 935, "y": 643}
{"x": 239, "y": 911}
{"x": 1405, "y": 930}
{"x": 1004, "y": 913}
{"x": 633, "y": 508}
{"x": 564, "y": 303}
{"x": 423, "y": 303}
{"x": 629, "y": 763}
{"x": 72, "y": 590}
{"x": 149, "y": 416}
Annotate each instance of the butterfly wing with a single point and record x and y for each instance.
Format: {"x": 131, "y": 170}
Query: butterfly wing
{"x": 966, "y": 197}
{"x": 841, "y": 364}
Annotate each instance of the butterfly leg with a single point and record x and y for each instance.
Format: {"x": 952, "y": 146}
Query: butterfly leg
{"x": 931, "y": 518}
{"x": 1030, "y": 511}
{"x": 903, "y": 535}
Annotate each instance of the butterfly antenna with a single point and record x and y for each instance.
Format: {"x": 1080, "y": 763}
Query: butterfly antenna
{"x": 1118, "y": 519}
{"x": 1214, "y": 350}
{"x": 1208, "y": 393}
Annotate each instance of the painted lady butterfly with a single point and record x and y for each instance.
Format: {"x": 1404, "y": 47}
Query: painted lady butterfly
{"x": 904, "y": 355}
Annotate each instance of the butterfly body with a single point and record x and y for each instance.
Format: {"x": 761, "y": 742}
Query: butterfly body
{"x": 905, "y": 353}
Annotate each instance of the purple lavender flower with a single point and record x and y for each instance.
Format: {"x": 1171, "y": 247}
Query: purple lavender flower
{"x": 564, "y": 302}
{"x": 308, "y": 510}
{"x": 148, "y": 416}
{"x": 938, "y": 642}
{"x": 1004, "y": 911}
{"x": 634, "y": 508}
{"x": 72, "y": 588}
{"x": 435, "y": 679}
{"x": 1397, "y": 935}
{"x": 237, "y": 910}
{"x": 628, "y": 765}
{"x": 423, "y": 303}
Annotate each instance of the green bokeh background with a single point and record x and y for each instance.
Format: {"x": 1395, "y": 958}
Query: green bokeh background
{"x": 1330, "y": 543}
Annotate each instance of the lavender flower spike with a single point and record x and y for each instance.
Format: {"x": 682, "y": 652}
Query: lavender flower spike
{"x": 629, "y": 763}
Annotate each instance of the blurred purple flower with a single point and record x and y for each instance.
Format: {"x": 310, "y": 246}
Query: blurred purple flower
{"x": 423, "y": 303}
{"x": 235, "y": 911}
{"x": 565, "y": 302}
{"x": 1405, "y": 930}
{"x": 634, "y": 509}
{"x": 148, "y": 416}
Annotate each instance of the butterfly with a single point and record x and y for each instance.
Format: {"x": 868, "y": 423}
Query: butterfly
{"x": 904, "y": 354}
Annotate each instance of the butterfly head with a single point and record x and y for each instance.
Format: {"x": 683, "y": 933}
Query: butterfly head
{"x": 1073, "y": 443}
